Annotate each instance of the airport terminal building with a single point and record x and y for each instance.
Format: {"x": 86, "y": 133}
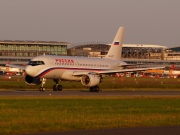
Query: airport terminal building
{"x": 132, "y": 53}
{"x": 142, "y": 51}
{"x": 20, "y": 52}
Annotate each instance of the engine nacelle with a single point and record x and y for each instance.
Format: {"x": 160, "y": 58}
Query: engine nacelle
{"x": 32, "y": 80}
{"x": 90, "y": 80}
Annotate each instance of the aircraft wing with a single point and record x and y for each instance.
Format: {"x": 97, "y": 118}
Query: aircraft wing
{"x": 79, "y": 73}
{"x": 127, "y": 70}
{"x": 16, "y": 66}
{"x": 120, "y": 65}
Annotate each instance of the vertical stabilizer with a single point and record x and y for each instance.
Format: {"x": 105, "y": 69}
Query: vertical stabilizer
{"x": 115, "y": 50}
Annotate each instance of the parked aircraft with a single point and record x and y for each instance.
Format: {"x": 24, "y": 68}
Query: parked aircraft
{"x": 169, "y": 72}
{"x": 87, "y": 70}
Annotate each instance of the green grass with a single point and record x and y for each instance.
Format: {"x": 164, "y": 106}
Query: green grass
{"x": 109, "y": 83}
{"x": 45, "y": 114}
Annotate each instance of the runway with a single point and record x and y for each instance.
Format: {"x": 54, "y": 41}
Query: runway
{"x": 87, "y": 93}
{"x": 122, "y": 131}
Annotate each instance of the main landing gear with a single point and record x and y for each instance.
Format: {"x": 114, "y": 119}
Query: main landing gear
{"x": 57, "y": 87}
{"x": 94, "y": 89}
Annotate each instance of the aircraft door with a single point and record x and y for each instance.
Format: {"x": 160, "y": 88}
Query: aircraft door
{"x": 50, "y": 62}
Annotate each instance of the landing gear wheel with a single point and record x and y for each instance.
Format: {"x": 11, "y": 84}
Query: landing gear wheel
{"x": 59, "y": 87}
{"x": 94, "y": 89}
{"x": 54, "y": 88}
{"x": 41, "y": 89}
{"x": 91, "y": 89}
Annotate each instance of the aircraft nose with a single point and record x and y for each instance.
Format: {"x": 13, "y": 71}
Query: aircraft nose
{"x": 30, "y": 71}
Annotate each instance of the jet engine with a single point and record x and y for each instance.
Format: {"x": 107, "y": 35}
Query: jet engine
{"x": 90, "y": 80}
{"x": 32, "y": 80}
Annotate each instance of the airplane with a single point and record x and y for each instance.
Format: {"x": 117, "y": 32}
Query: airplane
{"x": 170, "y": 72}
{"x": 87, "y": 70}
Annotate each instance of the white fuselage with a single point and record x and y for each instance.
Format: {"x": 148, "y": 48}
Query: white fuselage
{"x": 63, "y": 67}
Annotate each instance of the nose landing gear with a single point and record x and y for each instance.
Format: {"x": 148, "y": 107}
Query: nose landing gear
{"x": 43, "y": 81}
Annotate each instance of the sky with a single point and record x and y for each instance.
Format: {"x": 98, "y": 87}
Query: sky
{"x": 90, "y": 21}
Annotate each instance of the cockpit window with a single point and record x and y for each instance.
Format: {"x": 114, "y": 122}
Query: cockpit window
{"x": 35, "y": 63}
